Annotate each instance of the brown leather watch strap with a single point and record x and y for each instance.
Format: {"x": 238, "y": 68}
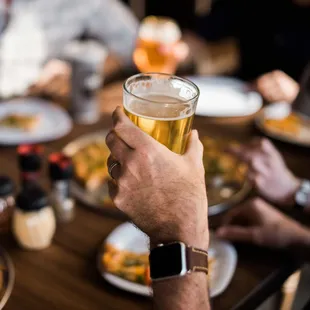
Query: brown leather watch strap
{"x": 197, "y": 260}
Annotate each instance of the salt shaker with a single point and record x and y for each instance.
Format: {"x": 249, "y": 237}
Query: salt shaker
{"x": 34, "y": 221}
{"x": 7, "y": 203}
{"x": 61, "y": 173}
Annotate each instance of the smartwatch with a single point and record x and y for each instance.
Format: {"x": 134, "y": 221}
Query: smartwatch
{"x": 176, "y": 260}
{"x": 302, "y": 196}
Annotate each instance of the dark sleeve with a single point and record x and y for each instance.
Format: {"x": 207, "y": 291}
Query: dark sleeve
{"x": 302, "y": 102}
{"x": 224, "y": 20}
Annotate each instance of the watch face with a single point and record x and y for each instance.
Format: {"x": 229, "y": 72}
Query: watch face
{"x": 168, "y": 261}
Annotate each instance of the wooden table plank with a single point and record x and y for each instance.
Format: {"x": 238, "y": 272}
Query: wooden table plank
{"x": 59, "y": 279}
{"x": 65, "y": 276}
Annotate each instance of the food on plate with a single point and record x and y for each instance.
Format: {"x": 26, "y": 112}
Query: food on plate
{"x": 290, "y": 125}
{"x": 222, "y": 168}
{"x": 225, "y": 174}
{"x": 90, "y": 164}
{"x": 220, "y": 165}
{"x": 20, "y": 121}
{"x": 131, "y": 266}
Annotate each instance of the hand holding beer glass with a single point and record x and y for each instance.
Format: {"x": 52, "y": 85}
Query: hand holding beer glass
{"x": 163, "y": 106}
{"x": 159, "y": 46}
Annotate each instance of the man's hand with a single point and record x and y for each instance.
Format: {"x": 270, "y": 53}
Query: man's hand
{"x": 277, "y": 86}
{"x": 268, "y": 171}
{"x": 162, "y": 192}
{"x": 259, "y": 223}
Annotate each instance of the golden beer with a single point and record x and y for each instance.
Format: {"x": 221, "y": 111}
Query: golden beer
{"x": 167, "y": 126}
{"x": 163, "y": 106}
{"x": 154, "y": 33}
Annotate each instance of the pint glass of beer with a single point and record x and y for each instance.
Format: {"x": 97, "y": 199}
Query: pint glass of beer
{"x": 163, "y": 106}
{"x": 155, "y": 33}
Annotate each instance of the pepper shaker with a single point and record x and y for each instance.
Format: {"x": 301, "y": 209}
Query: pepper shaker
{"x": 30, "y": 164}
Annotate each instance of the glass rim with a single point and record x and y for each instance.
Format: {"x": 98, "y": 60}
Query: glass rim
{"x": 162, "y": 74}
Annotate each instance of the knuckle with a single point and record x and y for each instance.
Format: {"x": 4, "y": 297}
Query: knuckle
{"x": 118, "y": 127}
{"x": 117, "y": 201}
{"x": 277, "y": 73}
{"x": 110, "y": 138}
{"x": 258, "y": 181}
{"x": 256, "y": 202}
{"x": 200, "y": 146}
{"x": 264, "y": 144}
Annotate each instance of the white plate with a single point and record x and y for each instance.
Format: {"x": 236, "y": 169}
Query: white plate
{"x": 127, "y": 237}
{"x": 54, "y": 121}
{"x": 225, "y": 97}
{"x": 280, "y": 110}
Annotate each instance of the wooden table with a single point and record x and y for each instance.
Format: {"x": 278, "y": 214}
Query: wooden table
{"x": 64, "y": 276}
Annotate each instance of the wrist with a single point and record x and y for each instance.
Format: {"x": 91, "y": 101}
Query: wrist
{"x": 200, "y": 241}
{"x": 289, "y": 197}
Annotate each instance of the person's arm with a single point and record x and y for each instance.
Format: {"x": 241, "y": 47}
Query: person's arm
{"x": 277, "y": 86}
{"x": 269, "y": 173}
{"x": 189, "y": 292}
{"x": 266, "y": 226}
{"x": 112, "y": 23}
{"x": 164, "y": 194}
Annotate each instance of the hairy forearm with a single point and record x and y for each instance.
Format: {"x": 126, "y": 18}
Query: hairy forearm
{"x": 183, "y": 293}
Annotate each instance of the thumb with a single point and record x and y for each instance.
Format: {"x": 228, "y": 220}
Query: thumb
{"x": 194, "y": 146}
{"x": 237, "y": 233}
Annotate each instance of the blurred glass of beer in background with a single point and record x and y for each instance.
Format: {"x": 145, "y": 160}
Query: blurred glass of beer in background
{"x": 163, "y": 106}
{"x": 156, "y": 33}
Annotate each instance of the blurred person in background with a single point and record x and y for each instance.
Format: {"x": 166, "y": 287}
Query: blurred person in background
{"x": 37, "y": 32}
{"x": 40, "y": 32}
{"x": 250, "y": 38}
{"x": 270, "y": 176}
{"x": 277, "y": 86}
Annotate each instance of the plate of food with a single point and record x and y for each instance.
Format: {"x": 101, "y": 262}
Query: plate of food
{"x": 7, "y": 277}
{"x": 225, "y": 97}
{"x": 89, "y": 155}
{"x": 123, "y": 261}
{"x": 32, "y": 120}
{"x": 225, "y": 174}
{"x": 279, "y": 121}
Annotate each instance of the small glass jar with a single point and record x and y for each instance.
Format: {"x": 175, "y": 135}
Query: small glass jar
{"x": 7, "y": 203}
{"x": 61, "y": 173}
{"x": 34, "y": 221}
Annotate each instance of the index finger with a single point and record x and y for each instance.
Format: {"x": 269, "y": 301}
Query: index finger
{"x": 126, "y": 130}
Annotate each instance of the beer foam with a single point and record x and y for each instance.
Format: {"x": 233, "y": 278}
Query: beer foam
{"x": 159, "y": 29}
{"x": 159, "y": 105}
